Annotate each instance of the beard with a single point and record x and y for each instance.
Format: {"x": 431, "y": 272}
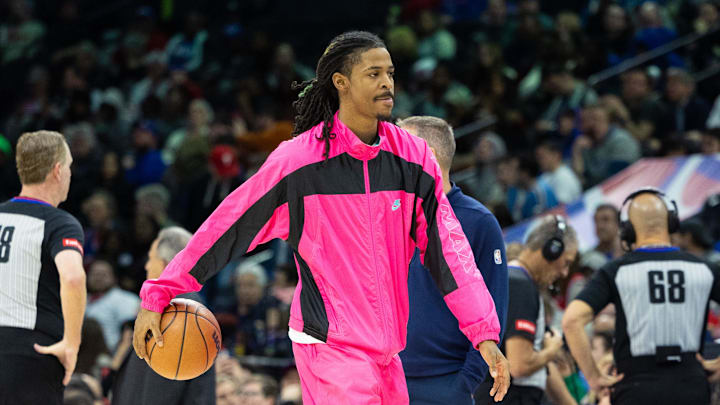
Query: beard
{"x": 384, "y": 117}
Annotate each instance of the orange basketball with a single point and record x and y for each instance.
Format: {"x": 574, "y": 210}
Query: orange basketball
{"x": 191, "y": 341}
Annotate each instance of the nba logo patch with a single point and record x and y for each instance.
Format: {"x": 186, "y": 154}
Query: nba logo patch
{"x": 498, "y": 256}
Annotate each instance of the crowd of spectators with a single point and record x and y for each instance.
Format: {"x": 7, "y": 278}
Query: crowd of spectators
{"x": 168, "y": 106}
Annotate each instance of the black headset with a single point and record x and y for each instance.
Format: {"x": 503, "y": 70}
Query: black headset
{"x": 555, "y": 246}
{"x": 627, "y": 232}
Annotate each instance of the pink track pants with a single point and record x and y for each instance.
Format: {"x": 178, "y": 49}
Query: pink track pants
{"x": 333, "y": 375}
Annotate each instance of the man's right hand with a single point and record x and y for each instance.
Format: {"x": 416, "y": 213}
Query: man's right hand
{"x": 147, "y": 321}
{"x": 604, "y": 381}
{"x": 553, "y": 342}
{"x": 65, "y": 352}
{"x": 711, "y": 366}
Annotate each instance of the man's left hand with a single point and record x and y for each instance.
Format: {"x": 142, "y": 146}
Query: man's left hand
{"x": 499, "y": 368}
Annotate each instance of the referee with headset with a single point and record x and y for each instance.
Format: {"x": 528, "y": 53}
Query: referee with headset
{"x": 661, "y": 297}
{"x": 42, "y": 280}
{"x": 529, "y": 346}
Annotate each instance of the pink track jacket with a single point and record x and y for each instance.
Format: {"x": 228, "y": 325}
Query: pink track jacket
{"x": 353, "y": 222}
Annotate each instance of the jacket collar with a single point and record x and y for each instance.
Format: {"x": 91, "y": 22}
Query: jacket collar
{"x": 353, "y": 145}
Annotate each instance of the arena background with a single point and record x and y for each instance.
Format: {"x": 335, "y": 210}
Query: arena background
{"x": 169, "y": 105}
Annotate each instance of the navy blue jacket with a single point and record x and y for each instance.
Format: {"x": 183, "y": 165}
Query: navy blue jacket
{"x": 435, "y": 345}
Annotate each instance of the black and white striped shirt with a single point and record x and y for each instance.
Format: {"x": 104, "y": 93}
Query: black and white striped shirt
{"x": 32, "y": 233}
{"x": 661, "y": 297}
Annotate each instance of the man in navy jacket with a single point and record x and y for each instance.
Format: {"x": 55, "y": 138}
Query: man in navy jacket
{"x": 441, "y": 366}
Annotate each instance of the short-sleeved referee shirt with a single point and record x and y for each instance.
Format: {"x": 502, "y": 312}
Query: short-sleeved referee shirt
{"x": 661, "y": 297}
{"x": 32, "y": 233}
{"x": 526, "y": 319}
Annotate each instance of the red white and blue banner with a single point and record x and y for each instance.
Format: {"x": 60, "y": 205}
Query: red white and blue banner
{"x": 687, "y": 180}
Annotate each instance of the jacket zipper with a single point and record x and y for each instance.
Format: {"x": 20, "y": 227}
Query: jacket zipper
{"x": 372, "y": 238}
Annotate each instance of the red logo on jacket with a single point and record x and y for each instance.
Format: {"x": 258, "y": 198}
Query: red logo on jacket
{"x": 69, "y": 242}
{"x": 527, "y": 326}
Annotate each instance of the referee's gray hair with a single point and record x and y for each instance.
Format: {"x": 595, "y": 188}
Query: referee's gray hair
{"x": 545, "y": 230}
{"x": 437, "y": 133}
{"x": 171, "y": 241}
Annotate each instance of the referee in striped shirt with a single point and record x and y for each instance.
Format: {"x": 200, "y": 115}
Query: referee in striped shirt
{"x": 42, "y": 280}
{"x": 661, "y": 296}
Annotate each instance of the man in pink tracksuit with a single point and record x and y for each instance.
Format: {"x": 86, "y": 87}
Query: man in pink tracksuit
{"x": 353, "y": 196}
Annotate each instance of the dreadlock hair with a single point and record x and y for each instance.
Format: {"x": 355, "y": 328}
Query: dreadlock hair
{"x": 318, "y": 100}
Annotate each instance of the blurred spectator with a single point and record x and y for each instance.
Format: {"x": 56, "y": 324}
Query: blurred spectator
{"x": 35, "y": 108}
{"x": 185, "y": 50}
{"x": 104, "y": 232}
{"x": 614, "y": 38}
{"x": 607, "y": 231}
{"x": 110, "y": 121}
{"x": 285, "y": 70}
{"x": 556, "y": 174}
{"x": 87, "y": 157}
{"x": 653, "y": 33}
{"x": 230, "y": 367}
{"x": 436, "y": 42}
{"x": 144, "y": 164}
{"x": 20, "y": 34}
{"x": 284, "y": 284}
{"x": 152, "y": 201}
{"x": 710, "y": 141}
{"x": 687, "y": 110}
{"x": 526, "y": 196}
{"x": 707, "y": 16}
{"x": 260, "y": 319}
{"x": 602, "y": 150}
{"x": 259, "y": 390}
{"x": 174, "y": 108}
{"x": 154, "y": 83}
{"x": 693, "y": 237}
{"x": 589, "y": 262}
{"x": 227, "y": 390}
{"x": 496, "y": 24}
{"x": 526, "y": 45}
{"x": 645, "y": 110}
{"x": 94, "y": 354}
{"x": 200, "y": 115}
{"x": 213, "y": 184}
{"x": 484, "y": 185}
{"x": 602, "y": 344}
{"x": 567, "y": 41}
{"x": 290, "y": 390}
{"x": 566, "y": 93}
{"x": 491, "y": 81}
{"x": 445, "y": 98}
{"x": 112, "y": 181}
{"x": 107, "y": 303}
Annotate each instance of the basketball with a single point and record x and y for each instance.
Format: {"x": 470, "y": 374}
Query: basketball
{"x": 191, "y": 341}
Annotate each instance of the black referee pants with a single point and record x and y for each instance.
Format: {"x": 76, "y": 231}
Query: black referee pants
{"x": 28, "y": 377}
{"x": 682, "y": 385}
{"x": 28, "y": 380}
